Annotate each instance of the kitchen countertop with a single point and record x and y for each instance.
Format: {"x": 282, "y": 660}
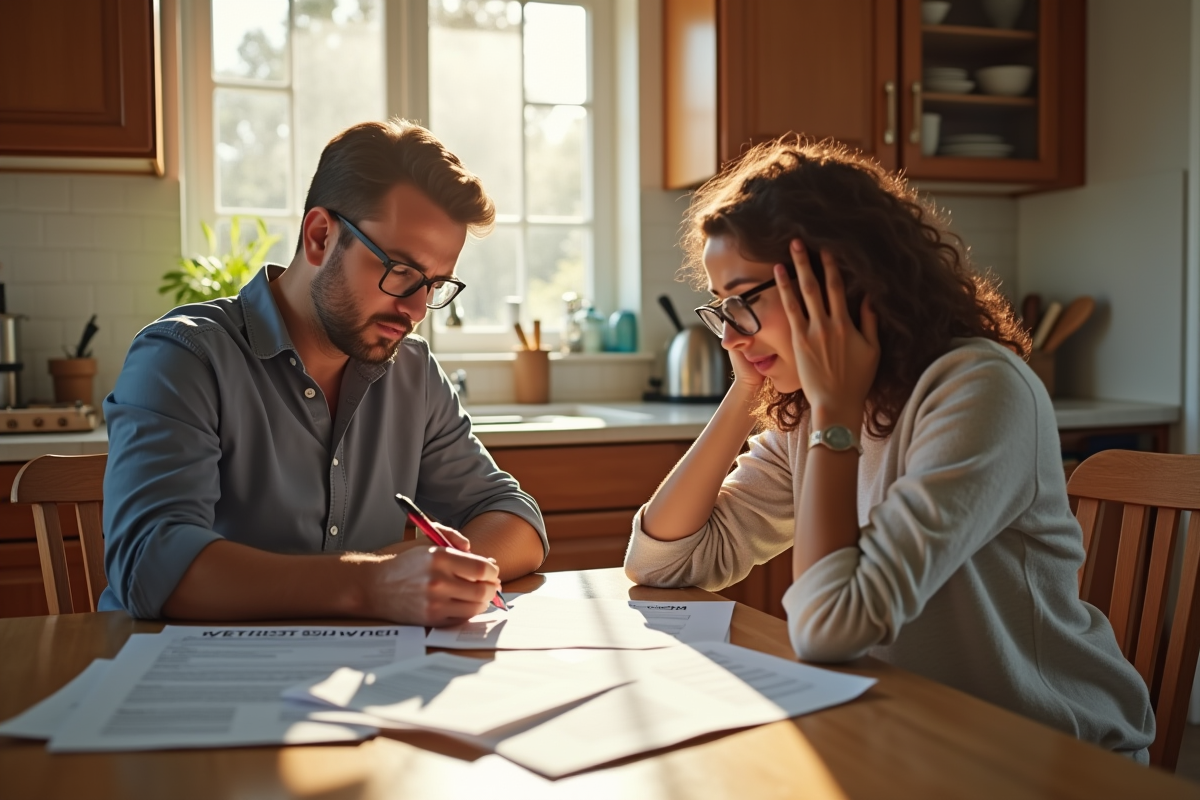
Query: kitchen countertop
{"x": 601, "y": 423}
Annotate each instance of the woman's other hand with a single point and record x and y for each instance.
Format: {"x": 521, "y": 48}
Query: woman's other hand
{"x": 744, "y": 373}
{"x": 835, "y": 360}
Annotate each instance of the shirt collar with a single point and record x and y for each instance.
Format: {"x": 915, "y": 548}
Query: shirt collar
{"x": 265, "y": 329}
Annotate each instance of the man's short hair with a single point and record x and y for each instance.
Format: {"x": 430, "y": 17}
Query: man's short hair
{"x": 362, "y": 163}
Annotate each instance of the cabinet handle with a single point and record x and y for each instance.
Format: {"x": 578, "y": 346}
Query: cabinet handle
{"x": 889, "y": 135}
{"x": 914, "y": 135}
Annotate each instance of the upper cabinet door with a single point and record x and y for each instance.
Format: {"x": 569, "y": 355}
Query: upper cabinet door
{"x": 743, "y": 71}
{"x": 813, "y": 67}
{"x": 78, "y": 81}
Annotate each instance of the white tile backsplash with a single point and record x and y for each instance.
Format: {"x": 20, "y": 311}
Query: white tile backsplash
{"x": 44, "y": 193}
{"x": 73, "y": 245}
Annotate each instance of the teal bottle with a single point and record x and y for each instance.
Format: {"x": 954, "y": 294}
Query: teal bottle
{"x": 622, "y": 332}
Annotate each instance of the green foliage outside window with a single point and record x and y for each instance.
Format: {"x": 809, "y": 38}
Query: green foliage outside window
{"x": 203, "y": 278}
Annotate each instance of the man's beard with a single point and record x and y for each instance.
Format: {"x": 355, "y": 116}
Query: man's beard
{"x": 338, "y": 314}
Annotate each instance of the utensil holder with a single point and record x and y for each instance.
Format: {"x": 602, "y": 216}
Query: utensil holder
{"x": 531, "y": 376}
{"x": 1042, "y": 364}
{"x": 73, "y": 379}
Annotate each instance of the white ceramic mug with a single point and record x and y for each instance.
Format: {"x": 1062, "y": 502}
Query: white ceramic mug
{"x": 930, "y": 126}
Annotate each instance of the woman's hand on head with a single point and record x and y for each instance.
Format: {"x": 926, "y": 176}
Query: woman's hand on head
{"x": 836, "y": 361}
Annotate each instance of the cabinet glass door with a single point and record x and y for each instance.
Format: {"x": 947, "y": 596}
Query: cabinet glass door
{"x": 979, "y": 90}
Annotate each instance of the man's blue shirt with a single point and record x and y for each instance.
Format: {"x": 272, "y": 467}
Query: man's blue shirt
{"x": 217, "y": 432}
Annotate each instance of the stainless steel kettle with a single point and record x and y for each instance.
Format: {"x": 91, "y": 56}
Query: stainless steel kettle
{"x": 698, "y": 368}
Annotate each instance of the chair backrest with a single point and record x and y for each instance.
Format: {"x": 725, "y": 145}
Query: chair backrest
{"x": 44, "y": 483}
{"x": 1158, "y": 486}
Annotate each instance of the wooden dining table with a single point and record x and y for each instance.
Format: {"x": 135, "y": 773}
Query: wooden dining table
{"x": 907, "y": 737}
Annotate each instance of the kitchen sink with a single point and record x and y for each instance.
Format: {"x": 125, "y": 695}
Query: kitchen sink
{"x": 552, "y": 417}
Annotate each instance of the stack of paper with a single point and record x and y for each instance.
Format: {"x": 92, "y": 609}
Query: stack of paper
{"x": 679, "y": 694}
{"x": 551, "y": 623}
{"x": 218, "y": 687}
{"x": 574, "y": 684}
{"x": 470, "y": 696}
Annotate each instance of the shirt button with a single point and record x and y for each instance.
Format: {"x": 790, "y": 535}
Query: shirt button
{"x": 310, "y": 393}
{"x": 293, "y": 361}
{"x": 333, "y": 531}
{"x": 335, "y": 462}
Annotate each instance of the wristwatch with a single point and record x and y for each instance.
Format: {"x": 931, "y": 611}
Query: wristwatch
{"x": 835, "y": 437}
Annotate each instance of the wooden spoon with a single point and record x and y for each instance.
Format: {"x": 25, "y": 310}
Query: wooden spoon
{"x": 1072, "y": 319}
{"x": 1031, "y": 312}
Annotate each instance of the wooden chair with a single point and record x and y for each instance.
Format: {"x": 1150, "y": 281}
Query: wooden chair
{"x": 45, "y": 482}
{"x": 1154, "y": 486}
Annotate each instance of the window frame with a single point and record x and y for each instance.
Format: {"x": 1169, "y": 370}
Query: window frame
{"x": 406, "y": 79}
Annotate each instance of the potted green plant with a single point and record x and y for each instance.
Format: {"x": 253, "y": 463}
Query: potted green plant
{"x": 203, "y": 278}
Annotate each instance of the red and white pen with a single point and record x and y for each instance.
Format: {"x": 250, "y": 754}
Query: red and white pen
{"x": 425, "y": 525}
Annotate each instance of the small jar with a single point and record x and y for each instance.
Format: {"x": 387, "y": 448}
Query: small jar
{"x": 594, "y": 327}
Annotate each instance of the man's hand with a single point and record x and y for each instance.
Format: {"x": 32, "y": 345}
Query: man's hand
{"x": 417, "y": 584}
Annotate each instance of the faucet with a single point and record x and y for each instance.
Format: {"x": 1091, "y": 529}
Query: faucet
{"x": 458, "y": 379}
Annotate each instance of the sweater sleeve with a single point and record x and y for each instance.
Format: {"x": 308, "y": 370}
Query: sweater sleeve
{"x": 969, "y": 470}
{"x": 743, "y": 530}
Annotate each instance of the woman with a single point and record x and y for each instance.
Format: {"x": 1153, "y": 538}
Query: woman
{"x": 910, "y": 458}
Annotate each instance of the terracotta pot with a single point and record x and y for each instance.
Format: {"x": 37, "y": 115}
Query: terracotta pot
{"x": 73, "y": 379}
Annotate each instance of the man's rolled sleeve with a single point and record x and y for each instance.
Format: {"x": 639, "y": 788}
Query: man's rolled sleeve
{"x": 162, "y": 480}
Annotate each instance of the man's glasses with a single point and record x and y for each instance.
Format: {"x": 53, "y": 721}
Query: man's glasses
{"x": 734, "y": 311}
{"x": 403, "y": 280}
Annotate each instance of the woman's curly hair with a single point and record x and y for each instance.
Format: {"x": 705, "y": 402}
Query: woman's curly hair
{"x": 889, "y": 245}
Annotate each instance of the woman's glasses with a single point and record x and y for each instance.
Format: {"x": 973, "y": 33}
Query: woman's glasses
{"x": 734, "y": 311}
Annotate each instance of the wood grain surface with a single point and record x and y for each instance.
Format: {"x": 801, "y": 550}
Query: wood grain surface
{"x": 906, "y": 737}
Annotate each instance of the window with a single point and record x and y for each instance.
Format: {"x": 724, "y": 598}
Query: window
{"x": 513, "y": 88}
{"x": 277, "y": 78}
{"x": 510, "y": 91}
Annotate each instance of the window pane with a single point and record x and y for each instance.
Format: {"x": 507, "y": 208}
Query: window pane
{"x": 339, "y": 81}
{"x": 489, "y": 269}
{"x": 249, "y": 39}
{"x": 475, "y": 100}
{"x": 555, "y": 263}
{"x": 253, "y": 148}
{"x": 556, "y": 49}
{"x": 556, "y": 160}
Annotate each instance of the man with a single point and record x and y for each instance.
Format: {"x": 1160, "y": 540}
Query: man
{"x": 257, "y": 442}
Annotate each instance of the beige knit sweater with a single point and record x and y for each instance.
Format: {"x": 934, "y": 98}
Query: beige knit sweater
{"x": 965, "y": 570}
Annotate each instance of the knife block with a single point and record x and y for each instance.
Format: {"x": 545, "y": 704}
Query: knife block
{"x": 1042, "y": 364}
{"x": 73, "y": 379}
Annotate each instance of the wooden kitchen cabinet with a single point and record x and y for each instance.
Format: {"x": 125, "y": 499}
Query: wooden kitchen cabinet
{"x": 738, "y": 72}
{"x": 79, "y": 85}
{"x": 588, "y": 494}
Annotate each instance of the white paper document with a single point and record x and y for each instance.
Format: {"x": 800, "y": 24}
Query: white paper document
{"x": 43, "y": 719}
{"x": 698, "y": 621}
{"x": 220, "y": 687}
{"x": 553, "y": 623}
{"x": 454, "y": 694}
{"x": 680, "y": 693}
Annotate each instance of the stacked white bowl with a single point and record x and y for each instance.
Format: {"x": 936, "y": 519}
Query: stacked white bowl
{"x": 950, "y": 80}
{"x": 1007, "y": 80}
{"x": 975, "y": 145}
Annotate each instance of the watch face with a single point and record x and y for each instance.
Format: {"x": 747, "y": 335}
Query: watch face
{"x": 838, "y": 437}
